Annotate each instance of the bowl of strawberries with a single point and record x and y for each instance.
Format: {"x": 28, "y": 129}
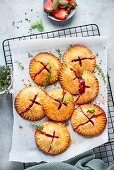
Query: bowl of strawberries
{"x": 59, "y": 10}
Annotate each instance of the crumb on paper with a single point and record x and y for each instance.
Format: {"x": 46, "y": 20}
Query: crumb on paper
{"x": 74, "y": 142}
{"x": 43, "y": 118}
{"x": 25, "y": 84}
{"x": 103, "y": 100}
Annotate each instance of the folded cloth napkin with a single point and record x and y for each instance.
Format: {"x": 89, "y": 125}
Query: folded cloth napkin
{"x": 85, "y": 161}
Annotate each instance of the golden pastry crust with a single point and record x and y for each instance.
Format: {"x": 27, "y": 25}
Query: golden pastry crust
{"x": 86, "y": 123}
{"x": 29, "y": 103}
{"x": 80, "y": 58}
{"x": 54, "y": 138}
{"x": 58, "y": 104}
{"x": 88, "y": 88}
{"x": 68, "y": 79}
{"x": 42, "y": 65}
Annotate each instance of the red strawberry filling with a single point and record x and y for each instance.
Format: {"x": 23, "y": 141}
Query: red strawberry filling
{"x": 80, "y": 60}
{"x": 33, "y": 102}
{"x": 86, "y": 116}
{"x": 48, "y": 135}
{"x": 44, "y": 67}
{"x": 74, "y": 73}
{"x": 82, "y": 88}
{"x": 89, "y": 119}
{"x": 61, "y": 101}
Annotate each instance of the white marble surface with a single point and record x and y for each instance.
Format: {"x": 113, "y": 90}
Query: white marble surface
{"x": 88, "y": 11}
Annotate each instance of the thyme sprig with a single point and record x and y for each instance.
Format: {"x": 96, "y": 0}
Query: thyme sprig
{"x": 59, "y": 53}
{"x": 37, "y": 127}
{"x": 61, "y": 101}
{"x": 47, "y": 78}
{"x": 5, "y": 77}
{"x": 101, "y": 72}
{"x": 19, "y": 64}
{"x": 91, "y": 111}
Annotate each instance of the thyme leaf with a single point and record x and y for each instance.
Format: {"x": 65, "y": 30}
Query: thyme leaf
{"x": 70, "y": 45}
{"x": 91, "y": 111}
{"x": 60, "y": 101}
{"x": 55, "y": 83}
{"x": 66, "y": 122}
{"x": 20, "y": 127}
{"x": 78, "y": 70}
{"x": 30, "y": 55}
{"x": 13, "y": 23}
{"x": 96, "y": 55}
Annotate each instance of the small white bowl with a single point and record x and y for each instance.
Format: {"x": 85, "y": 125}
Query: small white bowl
{"x": 68, "y": 17}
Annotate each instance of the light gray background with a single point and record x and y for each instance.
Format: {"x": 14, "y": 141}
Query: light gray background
{"x": 100, "y": 12}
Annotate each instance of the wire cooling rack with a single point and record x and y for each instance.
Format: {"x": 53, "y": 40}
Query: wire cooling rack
{"x": 105, "y": 151}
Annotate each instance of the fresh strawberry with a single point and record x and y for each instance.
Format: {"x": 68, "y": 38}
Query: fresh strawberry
{"x": 48, "y": 6}
{"x": 55, "y": 11}
{"x": 72, "y": 3}
{"x": 60, "y": 14}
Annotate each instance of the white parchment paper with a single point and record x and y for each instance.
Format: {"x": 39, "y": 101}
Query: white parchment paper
{"x": 24, "y": 148}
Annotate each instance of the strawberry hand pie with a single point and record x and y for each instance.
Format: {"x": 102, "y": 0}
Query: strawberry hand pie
{"x": 54, "y": 138}
{"x": 44, "y": 68}
{"x": 88, "y": 120}
{"x": 29, "y": 103}
{"x": 59, "y": 104}
{"x": 68, "y": 79}
{"x": 88, "y": 88}
{"x": 80, "y": 58}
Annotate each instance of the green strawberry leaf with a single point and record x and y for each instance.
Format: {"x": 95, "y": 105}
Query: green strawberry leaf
{"x": 75, "y": 5}
{"x": 39, "y": 21}
{"x": 34, "y": 25}
{"x": 62, "y": 2}
{"x": 38, "y": 24}
{"x": 55, "y": 4}
{"x": 40, "y": 28}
